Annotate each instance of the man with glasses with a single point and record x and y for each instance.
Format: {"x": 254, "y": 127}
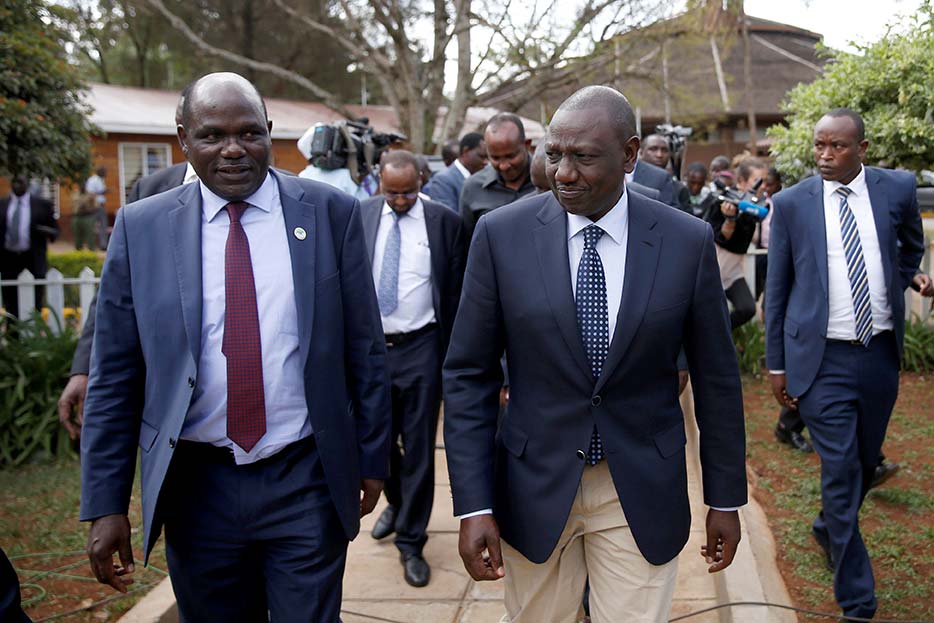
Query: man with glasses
{"x": 418, "y": 253}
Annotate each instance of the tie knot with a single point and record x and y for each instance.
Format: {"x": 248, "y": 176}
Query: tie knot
{"x": 592, "y": 235}
{"x": 844, "y": 191}
{"x": 235, "y": 210}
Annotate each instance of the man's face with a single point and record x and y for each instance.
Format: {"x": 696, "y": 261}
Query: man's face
{"x": 754, "y": 176}
{"x": 400, "y": 186}
{"x": 655, "y": 151}
{"x": 508, "y": 155}
{"x": 18, "y": 185}
{"x": 696, "y": 182}
{"x": 837, "y": 150}
{"x": 474, "y": 159}
{"x": 585, "y": 161}
{"x": 771, "y": 185}
{"x": 228, "y": 142}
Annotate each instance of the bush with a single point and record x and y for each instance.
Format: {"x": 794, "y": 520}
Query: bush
{"x": 919, "y": 346}
{"x": 34, "y": 367}
{"x": 750, "y": 347}
{"x": 71, "y": 263}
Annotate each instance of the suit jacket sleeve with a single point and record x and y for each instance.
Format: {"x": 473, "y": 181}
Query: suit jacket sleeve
{"x": 778, "y": 280}
{"x": 472, "y": 380}
{"x": 134, "y": 193}
{"x": 718, "y": 394}
{"x": 666, "y": 192}
{"x": 441, "y": 189}
{"x": 113, "y": 408}
{"x": 81, "y": 361}
{"x": 910, "y": 237}
{"x": 365, "y": 352}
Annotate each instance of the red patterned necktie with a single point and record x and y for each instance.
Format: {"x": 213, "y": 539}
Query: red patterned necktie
{"x": 246, "y": 401}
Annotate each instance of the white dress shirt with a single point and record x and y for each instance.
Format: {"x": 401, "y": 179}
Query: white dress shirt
{"x": 841, "y": 323}
{"x": 415, "y": 307}
{"x": 21, "y": 205}
{"x": 283, "y": 383}
{"x": 96, "y": 186}
{"x": 461, "y": 168}
{"x": 190, "y": 175}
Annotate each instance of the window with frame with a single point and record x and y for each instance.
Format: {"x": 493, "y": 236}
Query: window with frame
{"x": 137, "y": 160}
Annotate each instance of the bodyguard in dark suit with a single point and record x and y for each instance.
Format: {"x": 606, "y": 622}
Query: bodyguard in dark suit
{"x": 843, "y": 248}
{"x": 238, "y": 348}
{"x": 418, "y": 252}
{"x": 654, "y": 177}
{"x": 445, "y": 187}
{"x": 27, "y": 225}
{"x": 586, "y": 473}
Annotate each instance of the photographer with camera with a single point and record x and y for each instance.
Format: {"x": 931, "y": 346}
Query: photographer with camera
{"x": 734, "y": 225}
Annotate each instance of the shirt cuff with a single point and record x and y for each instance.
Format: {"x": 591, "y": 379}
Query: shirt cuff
{"x": 776, "y": 372}
{"x": 726, "y": 510}
{"x": 485, "y": 511}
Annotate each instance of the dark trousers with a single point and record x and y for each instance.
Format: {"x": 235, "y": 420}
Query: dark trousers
{"x": 11, "y": 265}
{"x": 252, "y": 543}
{"x": 847, "y": 411}
{"x": 762, "y": 267}
{"x": 10, "y": 609}
{"x": 744, "y": 306}
{"x": 415, "y": 373}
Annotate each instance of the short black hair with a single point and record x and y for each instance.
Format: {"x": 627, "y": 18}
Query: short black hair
{"x": 449, "y": 151}
{"x": 611, "y": 101}
{"x": 400, "y": 158}
{"x": 720, "y": 163}
{"x": 192, "y": 87}
{"x": 774, "y": 173}
{"x": 697, "y": 167}
{"x": 852, "y": 114}
{"x": 470, "y": 141}
{"x": 507, "y": 117}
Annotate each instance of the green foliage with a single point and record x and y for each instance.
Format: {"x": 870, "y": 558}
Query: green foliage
{"x": 919, "y": 346}
{"x": 34, "y": 367}
{"x": 888, "y": 83}
{"x": 750, "y": 347}
{"x": 71, "y": 263}
{"x": 43, "y": 126}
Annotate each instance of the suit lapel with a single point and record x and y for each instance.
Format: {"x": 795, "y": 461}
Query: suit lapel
{"x": 817, "y": 228}
{"x": 370, "y": 225}
{"x": 551, "y": 243}
{"x": 185, "y": 229}
{"x": 436, "y": 252}
{"x": 300, "y": 215}
{"x": 642, "y": 251}
{"x": 880, "y": 214}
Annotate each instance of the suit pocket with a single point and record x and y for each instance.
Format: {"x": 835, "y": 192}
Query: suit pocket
{"x": 664, "y": 314}
{"x": 791, "y": 328}
{"x": 514, "y": 439}
{"x": 147, "y": 436}
{"x": 670, "y": 441}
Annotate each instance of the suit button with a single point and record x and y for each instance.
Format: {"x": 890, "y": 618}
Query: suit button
{"x": 595, "y": 401}
{"x": 171, "y": 442}
{"x": 581, "y": 455}
{"x": 191, "y": 382}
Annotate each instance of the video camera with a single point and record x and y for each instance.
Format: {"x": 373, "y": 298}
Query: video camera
{"x": 353, "y": 145}
{"x": 677, "y": 137}
{"x": 747, "y": 202}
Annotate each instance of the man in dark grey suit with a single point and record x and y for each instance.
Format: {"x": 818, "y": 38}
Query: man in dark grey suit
{"x": 446, "y": 186}
{"x": 654, "y": 177}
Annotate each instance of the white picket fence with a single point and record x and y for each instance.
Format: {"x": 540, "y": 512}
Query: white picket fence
{"x": 55, "y": 284}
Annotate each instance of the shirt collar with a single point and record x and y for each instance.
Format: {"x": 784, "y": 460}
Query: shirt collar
{"x": 857, "y": 185}
{"x": 263, "y": 198}
{"x": 417, "y": 211}
{"x": 190, "y": 175}
{"x": 614, "y": 223}
{"x": 461, "y": 168}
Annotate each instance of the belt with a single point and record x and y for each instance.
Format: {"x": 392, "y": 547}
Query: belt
{"x": 398, "y": 339}
{"x": 209, "y": 453}
{"x": 857, "y": 342}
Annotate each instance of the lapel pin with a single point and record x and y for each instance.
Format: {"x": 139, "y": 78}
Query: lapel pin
{"x": 300, "y": 233}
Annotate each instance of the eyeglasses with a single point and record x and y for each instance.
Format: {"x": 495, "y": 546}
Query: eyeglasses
{"x": 406, "y": 196}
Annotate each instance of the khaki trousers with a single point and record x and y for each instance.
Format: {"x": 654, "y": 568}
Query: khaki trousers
{"x": 596, "y": 542}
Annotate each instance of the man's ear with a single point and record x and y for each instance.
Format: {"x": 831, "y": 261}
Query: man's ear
{"x": 528, "y": 145}
{"x": 182, "y": 138}
{"x": 631, "y": 153}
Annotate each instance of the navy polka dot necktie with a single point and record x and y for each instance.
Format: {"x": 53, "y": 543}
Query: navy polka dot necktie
{"x": 593, "y": 318}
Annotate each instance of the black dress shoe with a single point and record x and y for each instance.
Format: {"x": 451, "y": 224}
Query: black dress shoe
{"x": 824, "y": 542}
{"x": 417, "y": 571}
{"x": 883, "y": 472}
{"x": 794, "y": 439}
{"x": 386, "y": 524}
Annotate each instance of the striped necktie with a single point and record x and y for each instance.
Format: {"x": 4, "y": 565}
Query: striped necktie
{"x": 855, "y": 268}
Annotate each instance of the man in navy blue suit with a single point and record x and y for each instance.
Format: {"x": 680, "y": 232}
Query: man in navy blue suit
{"x": 445, "y": 187}
{"x": 592, "y": 292}
{"x": 238, "y": 349}
{"x": 843, "y": 248}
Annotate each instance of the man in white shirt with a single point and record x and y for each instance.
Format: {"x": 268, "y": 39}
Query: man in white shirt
{"x": 418, "y": 252}
{"x": 843, "y": 247}
{"x": 96, "y": 186}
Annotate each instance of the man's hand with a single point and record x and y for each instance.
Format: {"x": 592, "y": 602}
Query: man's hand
{"x": 479, "y": 533}
{"x": 371, "y": 489}
{"x": 728, "y": 209}
{"x": 108, "y": 535}
{"x": 504, "y": 397}
{"x": 780, "y": 393}
{"x": 682, "y": 381}
{"x": 723, "y": 534}
{"x": 923, "y": 284}
{"x": 71, "y": 404}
